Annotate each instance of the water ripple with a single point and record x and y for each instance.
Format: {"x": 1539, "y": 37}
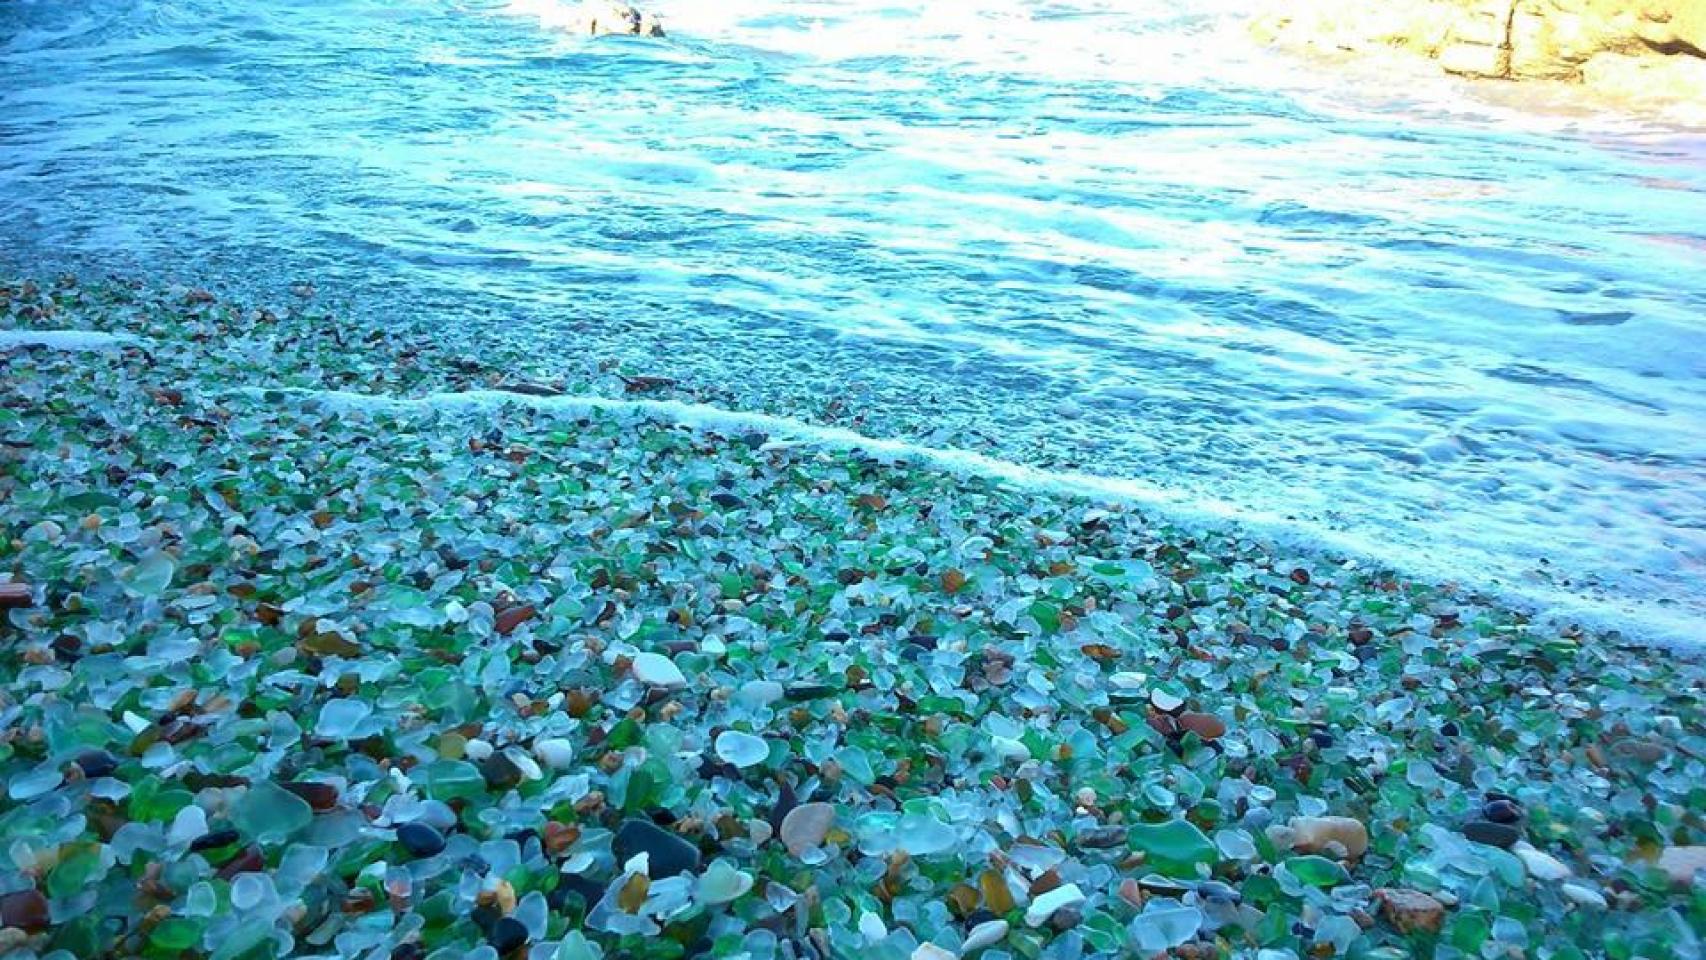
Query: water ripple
{"x": 1097, "y": 236}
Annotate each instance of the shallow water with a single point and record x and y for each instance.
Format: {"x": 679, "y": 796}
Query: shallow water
{"x": 1096, "y": 237}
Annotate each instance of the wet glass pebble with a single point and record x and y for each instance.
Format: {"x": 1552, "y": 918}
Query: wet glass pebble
{"x": 874, "y": 708}
{"x": 420, "y": 839}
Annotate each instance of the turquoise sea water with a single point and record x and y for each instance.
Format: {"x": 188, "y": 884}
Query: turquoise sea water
{"x": 1105, "y": 238}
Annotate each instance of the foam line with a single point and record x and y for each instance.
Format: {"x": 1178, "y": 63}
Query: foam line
{"x": 1646, "y": 623}
{"x": 63, "y": 339}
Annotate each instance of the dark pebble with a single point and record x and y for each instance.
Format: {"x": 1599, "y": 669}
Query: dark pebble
{"x": 786, "y": 801}
{"x": 486, "y": 918}
{"x": 1492, "y": 834}
{"x": 214, "y": 840}
{"x": 508, "y": 935}
{"x": 574, "y": 885}
{"x": 1449, "y": 729}
{"x": 24, "y": 909}
{"x": 710, "y": 768}
{"x": 1502, "y": 811}
{"x": 808, "y": 691}
{"x": 97, "y": 763}
{"x": 669, "y": 854}
{"x": 500, "y": 772}
{"x": 420, "y": 839}
{"x": 980, "y": 915}
{"x": 408, "y": 951}
{"x": 727, "y": 501}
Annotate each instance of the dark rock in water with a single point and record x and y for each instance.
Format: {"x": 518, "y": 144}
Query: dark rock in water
{"x": 508, "y": 935}
{"x": 500, "y": 772}
{"x": 420, "y": 839}
{"x": 97, "y": 763}
{"x": 26, "y": 910}
{"x": 613, "y": 17}
{"x": 1502, "y": 811}
{"x": 1492, "y": 834}
{"x": 669, "y": 854}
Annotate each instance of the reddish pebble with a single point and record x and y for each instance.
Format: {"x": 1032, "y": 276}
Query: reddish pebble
{"x": 319, "y": 796}
{"x": 26, "y": 910}
{"x": 249, "y": 861}
{"x": 1205, "y": 725}
{"x": 15, "y": 595}
{"x": 513, "y": 617}
{"x": 1300, "y": 576}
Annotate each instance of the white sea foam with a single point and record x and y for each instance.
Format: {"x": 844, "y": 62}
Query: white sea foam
{"x": 1641, "y": 622}
{"x": 63, "y": 339}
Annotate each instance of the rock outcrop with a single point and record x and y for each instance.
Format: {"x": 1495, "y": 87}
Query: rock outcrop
{"x": 1630, "y": 49}
{"x": 607, "y": 17}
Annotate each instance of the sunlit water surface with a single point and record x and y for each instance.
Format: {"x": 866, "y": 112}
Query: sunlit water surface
{"x": 1100, "y": 237}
